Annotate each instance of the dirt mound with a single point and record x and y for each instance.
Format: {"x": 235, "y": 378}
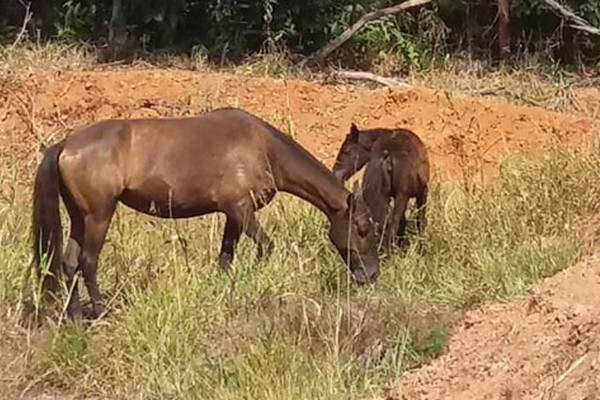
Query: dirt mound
{"x": 462, "y": 134}
{"x": 544, "y": 346}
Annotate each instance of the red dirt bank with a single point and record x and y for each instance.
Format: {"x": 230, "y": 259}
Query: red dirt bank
{"x": 451, "y": 127}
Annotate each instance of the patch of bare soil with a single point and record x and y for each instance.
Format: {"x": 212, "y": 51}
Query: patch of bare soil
{"x": 544, "y": 346}
{"x": 461, "y": 133}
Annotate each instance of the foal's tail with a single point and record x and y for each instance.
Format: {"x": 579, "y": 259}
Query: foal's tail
{"x": 47, "y": 230}
{"x": 387, "y": 166}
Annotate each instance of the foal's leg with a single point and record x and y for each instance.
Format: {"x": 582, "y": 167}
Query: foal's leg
{"x": 96, "y": 226}
{"x": 422, "y": 210}
{"x": 231, "y": 236}
{"x": 255, "y": 231}
{"x": 397, "y": 224}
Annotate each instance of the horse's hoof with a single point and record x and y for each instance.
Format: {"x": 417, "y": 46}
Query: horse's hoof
{"x": 97, "y": 312}
{"x": 225, "y": 262}
{"x": 76, "y": 316}
{"x": 264, "y": 255}
{"x": 30, "y": 318}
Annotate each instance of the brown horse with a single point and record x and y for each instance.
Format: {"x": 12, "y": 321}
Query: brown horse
{"x": 225, "y": 161}
{"x": 397, "y": 168}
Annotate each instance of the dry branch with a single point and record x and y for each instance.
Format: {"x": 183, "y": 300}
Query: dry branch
{"x": 367, "y": 76}
{"x": 576, "y": 21}
{"x": 26, "y": 20}
{"x": 322, "y": 53}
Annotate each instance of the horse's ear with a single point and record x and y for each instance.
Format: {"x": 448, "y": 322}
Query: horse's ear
{"x": 353, "y": 135}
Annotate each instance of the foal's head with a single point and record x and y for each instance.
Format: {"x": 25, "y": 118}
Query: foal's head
{"x": 351, "y": 156}
{"x": 352, "y": 233}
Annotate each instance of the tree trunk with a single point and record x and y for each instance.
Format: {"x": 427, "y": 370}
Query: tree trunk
{"x": 117, "y": 31}
{"x": 503, "y": 33}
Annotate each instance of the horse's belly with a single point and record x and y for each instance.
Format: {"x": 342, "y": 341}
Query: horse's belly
{"x": 166, "y": 206}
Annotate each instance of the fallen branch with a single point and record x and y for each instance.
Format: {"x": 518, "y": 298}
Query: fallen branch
{"x": 576, "y": 21}
{"x": 367, "y": 76}
{"x": 322, "y": 53}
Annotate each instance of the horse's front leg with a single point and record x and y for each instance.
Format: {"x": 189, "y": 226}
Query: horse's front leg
{"x": 231, "y": 237}
{"x": 256, "y": 232}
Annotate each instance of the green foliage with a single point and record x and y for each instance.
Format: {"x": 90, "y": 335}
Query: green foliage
{"x": 75, "y": 19}
{"x": 231, "y": 29}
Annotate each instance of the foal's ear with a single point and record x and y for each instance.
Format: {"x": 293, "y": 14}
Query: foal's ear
{"x": 353, "y": 135}
{"x": 350, "y": 201}
{"x": 353, "y": 196}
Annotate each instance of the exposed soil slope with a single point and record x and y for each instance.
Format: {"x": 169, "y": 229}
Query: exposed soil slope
{"x": 543, "y": 346}
{"x": 462, "y": 134}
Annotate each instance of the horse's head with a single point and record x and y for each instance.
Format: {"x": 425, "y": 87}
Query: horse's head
{"x": 351, "y": 156}
{"x": 353, "y": 233}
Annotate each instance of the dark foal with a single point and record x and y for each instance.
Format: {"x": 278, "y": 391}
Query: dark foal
{"x": 225, "y": 161}
{"x": 397, "y": 168}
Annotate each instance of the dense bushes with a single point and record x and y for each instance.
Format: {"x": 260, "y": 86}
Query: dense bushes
{"x": 234, "y": 28}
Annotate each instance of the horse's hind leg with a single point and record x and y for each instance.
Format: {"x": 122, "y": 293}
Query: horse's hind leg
{"x": 255, "y": 231}
{"x": 96, "y": 226}
{"x": 397, "y": 226}
{"x": 231, "y": 236}
{"x": 421, "y": 202}
{"x": 71, "y": 256}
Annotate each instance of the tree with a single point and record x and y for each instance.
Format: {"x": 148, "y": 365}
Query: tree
{"x": 117, "y": 31}
{"x": 503, "y": 33}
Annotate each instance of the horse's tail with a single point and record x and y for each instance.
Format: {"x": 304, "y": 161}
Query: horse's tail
{"x": 47, "y": 229}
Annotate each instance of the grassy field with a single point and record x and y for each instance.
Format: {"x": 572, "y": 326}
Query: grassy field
{"x": 294, "y": 327}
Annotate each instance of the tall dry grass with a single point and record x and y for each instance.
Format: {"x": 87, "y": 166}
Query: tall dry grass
{"x": 294, "y": 327}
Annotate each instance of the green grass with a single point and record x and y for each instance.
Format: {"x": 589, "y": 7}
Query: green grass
{"x": 294, "y": 327}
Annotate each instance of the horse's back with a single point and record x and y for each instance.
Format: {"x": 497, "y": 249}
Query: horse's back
{"x": 144, "y": 141}
{"x": 411, "y": 169}
{"x": 196, "y": 163}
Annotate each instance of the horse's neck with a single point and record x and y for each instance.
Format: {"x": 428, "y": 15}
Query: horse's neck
{"x": 303, "y": 176}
